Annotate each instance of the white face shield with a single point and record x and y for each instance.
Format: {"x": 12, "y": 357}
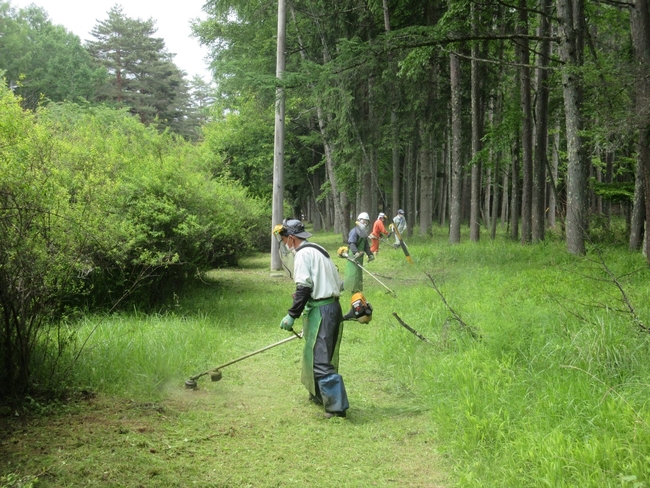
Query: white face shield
{"x": 363, "y": 223}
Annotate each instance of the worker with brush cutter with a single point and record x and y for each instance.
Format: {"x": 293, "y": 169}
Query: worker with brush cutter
{"x": 357, "y": 247}
{"x": 318, "y": 287}
{"x": 399, "y": 226}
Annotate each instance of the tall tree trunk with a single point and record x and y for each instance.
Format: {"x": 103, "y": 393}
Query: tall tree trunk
{"x": 410, "y": 190}
{"x": 474, "y": 214}
{"x": 526, "y": 126}
{"x": 541, "y": 133}
{"x": 394, "y": 134}
{"x": 372, "y": 209}
{"x": 495, "y": 185}
{"x": 364, "y": 203}
{"x": 426, "y": 185}
{"x": 571, "y": 24}
{"x": 446, "y": 181}
{"x": 505, "y": 203}
{"x": 638, "y": 210}
{"x": 456, "y": 141}
{"x": 515, "y": 208}
{"x": 495, "y": 201}
{"x": 609, "y": 177}
{"x": 396, "y": 162}
{"x": 552, "y": 195}
{"x": 341, "y": 221}
{"x": 640, "y": 20}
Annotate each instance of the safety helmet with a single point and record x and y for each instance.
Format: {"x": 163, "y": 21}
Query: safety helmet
{"x": 382, "y": 215}
{"x": 400, "y": 211}
{"x": 364, "y": 216}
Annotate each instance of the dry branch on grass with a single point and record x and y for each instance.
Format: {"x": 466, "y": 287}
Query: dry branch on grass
{"x": 472, "y": 331}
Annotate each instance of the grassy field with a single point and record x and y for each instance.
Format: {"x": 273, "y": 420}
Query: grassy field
{"x": 534, "y": 373}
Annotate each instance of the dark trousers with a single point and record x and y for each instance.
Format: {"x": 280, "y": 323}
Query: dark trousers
{"x": 329, "y": 384}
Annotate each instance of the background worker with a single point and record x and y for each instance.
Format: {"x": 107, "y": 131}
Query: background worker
{"x": 358, "y": 246}
{"x": 318, "y": 286}
{"x": 378, "y": 229}
{"x": 400, "y": 224}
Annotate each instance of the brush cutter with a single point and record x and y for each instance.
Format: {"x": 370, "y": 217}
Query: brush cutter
{"x": 215, "y": 373}
{"x": 342, "y": 252}
{"x": 402, "y": 244}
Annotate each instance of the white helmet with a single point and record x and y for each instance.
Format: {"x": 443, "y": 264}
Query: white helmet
{"x": 363, "y": 215}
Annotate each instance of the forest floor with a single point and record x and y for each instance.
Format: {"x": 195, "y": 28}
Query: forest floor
{"x": 254, "y": 428}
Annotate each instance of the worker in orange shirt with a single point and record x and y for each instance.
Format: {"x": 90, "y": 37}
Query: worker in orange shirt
{"x": 378, "y": 229}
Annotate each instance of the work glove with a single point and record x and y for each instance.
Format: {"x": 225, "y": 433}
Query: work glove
{"x": 358, "y": 256}
{"x": 371, "y": 257}
{"x": 287, "y": 322}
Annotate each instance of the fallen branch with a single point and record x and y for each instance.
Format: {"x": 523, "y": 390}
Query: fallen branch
{"x": 624, "y": 297}
{"x": 456, "y": 317}
{"x": 411, "y": 329}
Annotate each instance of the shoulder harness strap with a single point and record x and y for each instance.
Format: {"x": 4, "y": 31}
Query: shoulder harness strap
{"x": 315, "y": 246}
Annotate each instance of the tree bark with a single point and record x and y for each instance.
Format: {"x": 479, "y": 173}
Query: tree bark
{"x": 571, "y": 28}
{"x": 396, "y": 162}
{"x": 456, "y": 141}
{"x": 640, "y": 26}
{"x": 394, "y": 134}
{"x": 526, "y": 126}
{"x": 426, "y": 183}
{"x": 552, "y": 195}
{"x": 514, "y": 198}
{"x": 541, "y": 128}
{"x": 638, "y": 210}
{"x": 474, "y": 214}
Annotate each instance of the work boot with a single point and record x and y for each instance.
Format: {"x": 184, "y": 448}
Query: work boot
{"x": 329, "y": 415}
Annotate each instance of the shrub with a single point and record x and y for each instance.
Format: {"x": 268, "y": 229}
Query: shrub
{"x": 94, "y": 206}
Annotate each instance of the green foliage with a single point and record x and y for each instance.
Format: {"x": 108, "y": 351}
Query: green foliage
{"x": 618, "y": 191}
{"x": 41, "y": 249}
{"x": 552, "y": 392}
{"x": 240, "y": 143}
{"x": 12, "y": 480}
{"x": 142, "y": 74}
{"x": 43, "y": 61}
{"x": 95, "y": 207}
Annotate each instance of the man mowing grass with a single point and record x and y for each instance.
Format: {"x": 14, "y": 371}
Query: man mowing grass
{"x": 318, "y": 287}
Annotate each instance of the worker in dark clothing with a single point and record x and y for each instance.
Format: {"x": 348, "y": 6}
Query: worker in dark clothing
{"x": 357, "y": 246}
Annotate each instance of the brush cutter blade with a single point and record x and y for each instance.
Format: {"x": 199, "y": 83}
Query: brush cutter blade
{"x": 191, "y": 384}
{"x": 216, "y": 375}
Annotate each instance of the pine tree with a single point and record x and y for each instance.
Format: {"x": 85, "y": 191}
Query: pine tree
{"x": 143, "y": 75}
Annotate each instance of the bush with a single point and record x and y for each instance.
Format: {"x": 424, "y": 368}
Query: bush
{"x": 95, "y": 207}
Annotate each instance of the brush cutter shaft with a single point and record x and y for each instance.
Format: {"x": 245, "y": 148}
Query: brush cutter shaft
{"x": 295, "y": 336}
{"x": 378, "y": 280}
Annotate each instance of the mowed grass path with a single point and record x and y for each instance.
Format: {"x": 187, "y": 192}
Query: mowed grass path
{"x": 253, "y": 428}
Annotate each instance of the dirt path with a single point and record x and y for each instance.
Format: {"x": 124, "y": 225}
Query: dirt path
{"x": 253, "y": 428}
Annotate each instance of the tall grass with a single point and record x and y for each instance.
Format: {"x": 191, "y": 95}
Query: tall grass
{"x": 226, "y": 316}
{"x": 554, "y": 391}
